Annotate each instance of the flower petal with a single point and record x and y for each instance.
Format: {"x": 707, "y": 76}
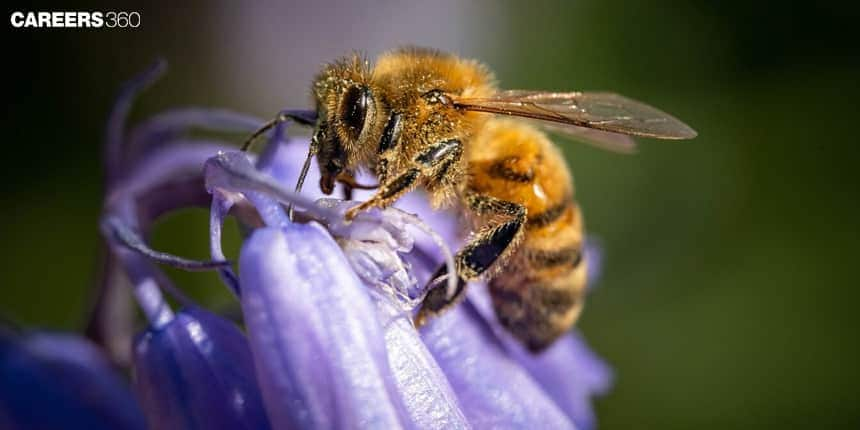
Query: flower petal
{"x": 570, "y": 373}
{"x": 494, "y": 391}
{"x": 593, "y": 254}
{"x": 427, "y": 396}
{"x": 233, "y": 171}
{"x": 285, "y": 163}
{"x": 318, "y": 346}
{"x": 54, "y": 381}
{"x": 115, "y": 130}
{"x": 197, "y": 372}
{"x": 170, "y": 125}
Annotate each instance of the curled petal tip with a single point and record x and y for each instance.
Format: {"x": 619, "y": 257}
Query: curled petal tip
{"x": 121, "y": 232}
{"x": 119, "y": 113}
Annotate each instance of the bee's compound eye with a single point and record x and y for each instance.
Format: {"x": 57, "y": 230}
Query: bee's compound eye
{"x": 354, "y": 109}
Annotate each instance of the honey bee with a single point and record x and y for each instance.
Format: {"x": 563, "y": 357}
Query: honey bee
{"x": 423, "y": 118}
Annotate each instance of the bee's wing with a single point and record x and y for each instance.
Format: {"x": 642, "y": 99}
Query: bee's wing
{"x": 606, "y": 112}
{"x": 614, "y": 142}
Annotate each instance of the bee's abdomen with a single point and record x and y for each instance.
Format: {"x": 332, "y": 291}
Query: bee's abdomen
{"x": 539, "y": 294}
{"x": 538, "y": 291}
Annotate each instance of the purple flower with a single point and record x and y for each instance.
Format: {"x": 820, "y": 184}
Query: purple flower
{"x": 327, "y": 305}
{"x": 196, "y": 372}
{"x": 55, "y": 381}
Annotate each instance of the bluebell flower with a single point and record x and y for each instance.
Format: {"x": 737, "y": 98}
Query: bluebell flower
{"x": 196, "y": 371}
{"x": 327, "y": 305}
{"x": 56, "y": 381}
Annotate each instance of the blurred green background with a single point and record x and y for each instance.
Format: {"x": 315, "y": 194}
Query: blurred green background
{"x": 729, "y": 297}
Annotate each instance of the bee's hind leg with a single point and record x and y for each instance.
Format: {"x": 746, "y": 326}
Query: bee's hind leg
{"x": 490, "y": 246}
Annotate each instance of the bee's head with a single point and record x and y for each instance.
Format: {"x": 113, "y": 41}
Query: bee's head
{"x": 347, "y": 111}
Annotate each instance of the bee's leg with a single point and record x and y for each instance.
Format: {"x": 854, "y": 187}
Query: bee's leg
{"x": 388, "y": 192}
{"x": 347, "y": 192}
{"x": 494, "y": 240}
{"x": 490, "y": 245}
{"x": 427, "y": 164}
{"x": 437, "y": 299}
{"x": 349, "y": 184}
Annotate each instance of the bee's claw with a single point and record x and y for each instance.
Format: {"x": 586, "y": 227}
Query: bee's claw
{"x": 353, "y": 212}
{"x": 437, "y": 299}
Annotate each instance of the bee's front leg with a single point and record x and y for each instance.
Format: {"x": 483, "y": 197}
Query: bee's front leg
{"x": 426, "y": 165}
{"x": 349, "y": 183}
{"x": 388, "y": 192}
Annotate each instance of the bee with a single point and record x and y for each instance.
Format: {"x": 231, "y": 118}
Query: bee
{"x": 428, "y": 119}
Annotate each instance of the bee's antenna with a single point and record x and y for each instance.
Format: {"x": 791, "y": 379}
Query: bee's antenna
{"x": 266, "y": 127}
{"x": 303, "y": 117}
{"x": 312, "y": 151}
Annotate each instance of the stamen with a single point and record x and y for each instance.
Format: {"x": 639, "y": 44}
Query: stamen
{"x": 221, "y": 204}
{"x": 446, "y": 252}
{"x": 234, "y": 172}
{"x": 393, "y": 222}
